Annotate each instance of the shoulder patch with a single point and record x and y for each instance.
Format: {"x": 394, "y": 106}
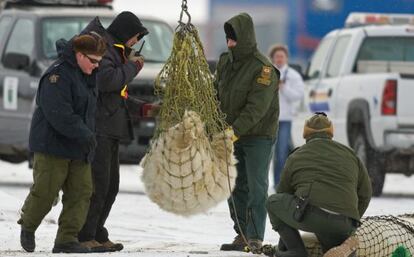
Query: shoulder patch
{"x": 266, "y": 72}
{"x": 53, "y": 78}
{"x": 264, "y": 81}
{"x": 265, "y": 76}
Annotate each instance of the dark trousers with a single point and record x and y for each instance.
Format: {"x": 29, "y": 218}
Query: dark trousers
{"x": 105, "y": 175}
{"x": 330, "y": 229}
{"x": 250, "y": 193}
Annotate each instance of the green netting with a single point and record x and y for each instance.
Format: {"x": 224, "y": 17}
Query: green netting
{"x": 186, "y": 83}
{"x": 190, "y": 166}
{"x": 379, "y": 236}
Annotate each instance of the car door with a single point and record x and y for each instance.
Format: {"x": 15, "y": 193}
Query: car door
{"x": 17, "y": 86}
{"x": 313, "y": 86}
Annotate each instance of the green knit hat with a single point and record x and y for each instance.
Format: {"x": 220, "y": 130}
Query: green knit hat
{"x": 316, "y": 124}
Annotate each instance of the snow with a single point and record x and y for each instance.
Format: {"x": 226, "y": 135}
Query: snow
{"x": 144, "y": 229}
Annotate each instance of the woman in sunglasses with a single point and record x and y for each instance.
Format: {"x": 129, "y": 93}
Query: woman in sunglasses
{"x": 63, "y": 141}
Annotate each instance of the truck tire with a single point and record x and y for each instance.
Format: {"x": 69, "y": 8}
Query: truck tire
{"x": 369, "y": 157}
{"x": 12, "y": 158}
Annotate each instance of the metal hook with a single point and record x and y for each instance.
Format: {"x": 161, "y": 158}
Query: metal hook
{"x": 184, "y": 9}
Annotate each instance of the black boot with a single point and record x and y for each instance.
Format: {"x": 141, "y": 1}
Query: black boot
{"x": 71, "y": 247}
{"x": 292, "y": 242}
{"x": 238, "y": 244}
{"x": 27, "y": 240}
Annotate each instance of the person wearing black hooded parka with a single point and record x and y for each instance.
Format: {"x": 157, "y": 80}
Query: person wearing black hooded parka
{"x": 113, "y": 124}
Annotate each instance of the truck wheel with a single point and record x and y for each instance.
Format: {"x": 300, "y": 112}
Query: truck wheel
{"x": 369, "y": 157}
{"x": 12, "y": 158}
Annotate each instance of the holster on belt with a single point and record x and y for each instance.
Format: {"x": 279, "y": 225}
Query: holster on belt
{"x": 301, "y": 206}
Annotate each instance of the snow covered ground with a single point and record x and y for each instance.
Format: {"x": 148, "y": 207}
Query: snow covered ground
{"x": 147, "y": 231}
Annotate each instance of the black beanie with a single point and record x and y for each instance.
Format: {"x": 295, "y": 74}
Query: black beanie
{"x": 125, "y": 26}
{"x": 230, "y": 33}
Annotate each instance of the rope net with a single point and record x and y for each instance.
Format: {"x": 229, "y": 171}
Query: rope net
{"x": 378, "y": 236}
{"x": 190, "y": 166}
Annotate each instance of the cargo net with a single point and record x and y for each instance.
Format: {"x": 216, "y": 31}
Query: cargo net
{"x": 379, "y": 236}
{"x": 190, "y": 166}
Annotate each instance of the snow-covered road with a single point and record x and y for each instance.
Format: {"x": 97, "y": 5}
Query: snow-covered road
{"x": 144, "y": 229}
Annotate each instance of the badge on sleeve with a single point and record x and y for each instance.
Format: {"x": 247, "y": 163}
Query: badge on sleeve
{"x": 265, "y": 76}
{"x": 53, "y": 78}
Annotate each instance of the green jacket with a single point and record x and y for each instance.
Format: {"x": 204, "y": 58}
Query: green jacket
{"x": 330, "y": 174}
{"x": 247, "y": 84}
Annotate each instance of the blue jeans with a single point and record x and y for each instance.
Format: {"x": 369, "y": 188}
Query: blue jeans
{"x": 281, "y": 150}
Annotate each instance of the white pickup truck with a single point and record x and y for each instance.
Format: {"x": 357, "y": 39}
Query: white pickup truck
{"x": 362, "y": 76}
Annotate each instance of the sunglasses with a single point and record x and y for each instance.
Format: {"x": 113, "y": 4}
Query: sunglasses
{"x": 92, "y": 60}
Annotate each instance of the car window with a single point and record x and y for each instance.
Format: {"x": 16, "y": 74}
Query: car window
{"x": 4, "y": 25}
{"x": 22, "y": 38}
{"x": 387, "y": 49}
{"x": 319, "y": 57}
{"x": 158, "y": 42}
{"x": 338, "y": 54}
{"x": 54, "y": 29}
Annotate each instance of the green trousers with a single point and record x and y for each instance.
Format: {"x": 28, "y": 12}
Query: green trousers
{"x": 250, "y": 193}
{"x": 50, "y": 175}
{"x": 330, "y": 229}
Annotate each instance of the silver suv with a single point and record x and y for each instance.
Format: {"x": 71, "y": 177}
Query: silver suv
{"x": 28, "y": 33}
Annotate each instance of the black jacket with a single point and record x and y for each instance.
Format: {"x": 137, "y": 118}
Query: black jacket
{"x": 63, "y": 123}
{"x": 115, "y": 71}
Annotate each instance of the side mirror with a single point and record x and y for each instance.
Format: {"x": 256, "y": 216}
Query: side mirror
{"x": 16, "y": 61}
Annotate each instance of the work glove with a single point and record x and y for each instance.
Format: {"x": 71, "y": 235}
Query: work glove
{"x": 234, "y": 138}
{"x": 90, "y": 146}
{"x": 91, "y": 143}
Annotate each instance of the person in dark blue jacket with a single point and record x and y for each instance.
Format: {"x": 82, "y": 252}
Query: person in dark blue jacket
{"x": 62, "y": 137}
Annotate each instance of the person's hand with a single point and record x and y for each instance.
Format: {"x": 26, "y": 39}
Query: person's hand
{"x": 139, "y": 60}
{"x": 91, "y": 143}
{"x": 234, "y": 138}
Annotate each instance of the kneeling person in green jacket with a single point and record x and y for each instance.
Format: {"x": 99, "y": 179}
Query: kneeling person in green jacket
{"x": 325, "y": 189}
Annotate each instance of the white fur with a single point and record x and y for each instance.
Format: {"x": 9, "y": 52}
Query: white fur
{"x": 184, "y": 172}
{"x": 377, "y": 238}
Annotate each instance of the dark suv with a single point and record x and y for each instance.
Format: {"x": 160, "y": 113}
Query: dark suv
{"x": 28, "y": 33}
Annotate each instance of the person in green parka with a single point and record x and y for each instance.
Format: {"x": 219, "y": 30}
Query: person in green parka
{"x": 246, "y": 84}
{"x": 324, "y": 189}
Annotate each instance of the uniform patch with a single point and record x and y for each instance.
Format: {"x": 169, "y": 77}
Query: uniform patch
{"x": 266, "y": 72}
{"x": 53, "y": 78}
{"x": 264, "y": 81}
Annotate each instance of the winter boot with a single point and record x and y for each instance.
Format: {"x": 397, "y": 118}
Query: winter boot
{"x": 238, "y": 244}
{"x": 255, "y": 246}
{"x": 347, "y": 249}
{"x": 269, "y": 250}
{"x": 27, "y": 240}
{"x": 292, "y": 242}
{"x": 112, "y": 247}
{"x": 71, "y": 247}
{"x": 94, "y": 246}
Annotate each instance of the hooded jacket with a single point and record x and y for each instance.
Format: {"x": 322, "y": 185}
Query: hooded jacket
{"x": 63, "y": 122}
{"x": 115, "y": 71}
{"x": 247, "y": 84}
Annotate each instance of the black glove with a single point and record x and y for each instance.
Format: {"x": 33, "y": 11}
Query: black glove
{"x": 91, "y": 144}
